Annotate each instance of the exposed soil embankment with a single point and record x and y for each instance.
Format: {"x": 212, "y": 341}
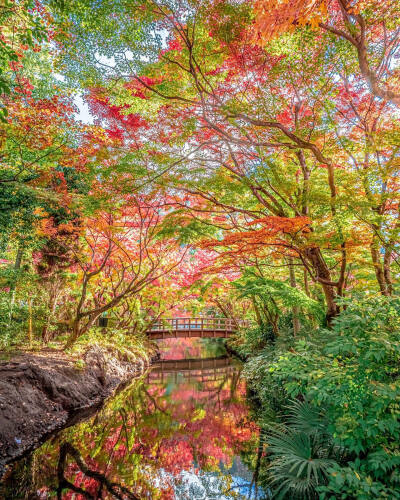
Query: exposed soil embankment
{"x": 46, "y": 392}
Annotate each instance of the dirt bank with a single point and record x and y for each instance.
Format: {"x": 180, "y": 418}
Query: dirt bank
{"x": 44, "y": 392}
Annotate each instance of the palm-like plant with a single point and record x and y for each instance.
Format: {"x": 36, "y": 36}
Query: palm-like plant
{"x": 301, "y": 451}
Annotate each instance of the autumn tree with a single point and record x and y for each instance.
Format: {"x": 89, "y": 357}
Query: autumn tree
{"x": 120, "y": 254}
{"x": 369, "y": 28}
{"x": 262, "y": 116}
{"x": 224, "y": 135}
{"x": 37, "y": 167}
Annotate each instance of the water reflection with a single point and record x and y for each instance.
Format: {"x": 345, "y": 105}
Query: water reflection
{"x": 181, "y": 432}
{"x": 199, "y": 370}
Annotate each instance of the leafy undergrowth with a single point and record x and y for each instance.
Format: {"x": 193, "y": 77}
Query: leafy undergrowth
{"x": 349, "y": 380}
{"x": 128, "y": 348}
{"x": 115, "y": 345}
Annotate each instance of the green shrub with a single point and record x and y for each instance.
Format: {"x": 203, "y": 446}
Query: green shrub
{"x": 125, "y": 346}
{"x": 301, "y": 451}
{"x": 251, "y": 340}
{"x": 352, "y": 375}
{"x": 12, "y": 333}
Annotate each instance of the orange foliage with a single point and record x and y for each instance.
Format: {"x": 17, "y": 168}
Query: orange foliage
{"x": 275, "y": 237}
{"x": 277, "y": 16}
{"x": 271, "y": 226}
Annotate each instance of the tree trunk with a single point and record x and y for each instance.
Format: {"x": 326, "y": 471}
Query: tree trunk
{"x": 323, "y": 276}
{"x": 332, "y": 310}
{"x": 386, "y": 270}
{"x": 76, "y": 332}
{"x": 295, "y": 309}
{"x": 274, "y": 323}
{"x": 17, "y": 266}
{"x": 46, "y": 337}
{"x": 257, "y": 312}
{"x": 78, "y": 329}
{"x": 378, "y": 267}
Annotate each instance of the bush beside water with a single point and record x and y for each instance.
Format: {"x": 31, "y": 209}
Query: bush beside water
{"x": 329, "y": 405}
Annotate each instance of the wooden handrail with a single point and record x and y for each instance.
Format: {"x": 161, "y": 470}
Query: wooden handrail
{"x": 202, "y": 323}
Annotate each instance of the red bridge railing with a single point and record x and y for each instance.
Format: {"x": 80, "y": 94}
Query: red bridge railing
{"x": 194, "y": 327}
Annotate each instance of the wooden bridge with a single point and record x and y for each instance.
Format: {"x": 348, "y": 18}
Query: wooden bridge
{"x": 202, "y": 370}
{"x": 194, "y": 327}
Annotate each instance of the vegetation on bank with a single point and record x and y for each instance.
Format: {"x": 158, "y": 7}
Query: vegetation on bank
{"x": 328, "y": 403}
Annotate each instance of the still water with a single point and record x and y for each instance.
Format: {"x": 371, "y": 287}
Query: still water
{"x": 182, "y": 431}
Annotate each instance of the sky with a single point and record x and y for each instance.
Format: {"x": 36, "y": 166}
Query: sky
{"x": 84, "y": 114}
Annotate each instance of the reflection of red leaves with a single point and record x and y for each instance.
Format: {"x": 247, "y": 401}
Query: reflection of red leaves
{"x": 172, "y": 431}
{"x": 186, "y": 348}
{"x": 175, "y": 455}
{"x": 215, "y": 436}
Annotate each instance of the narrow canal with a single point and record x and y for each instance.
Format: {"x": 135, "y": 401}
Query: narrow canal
{"x": 182, "y": 431}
